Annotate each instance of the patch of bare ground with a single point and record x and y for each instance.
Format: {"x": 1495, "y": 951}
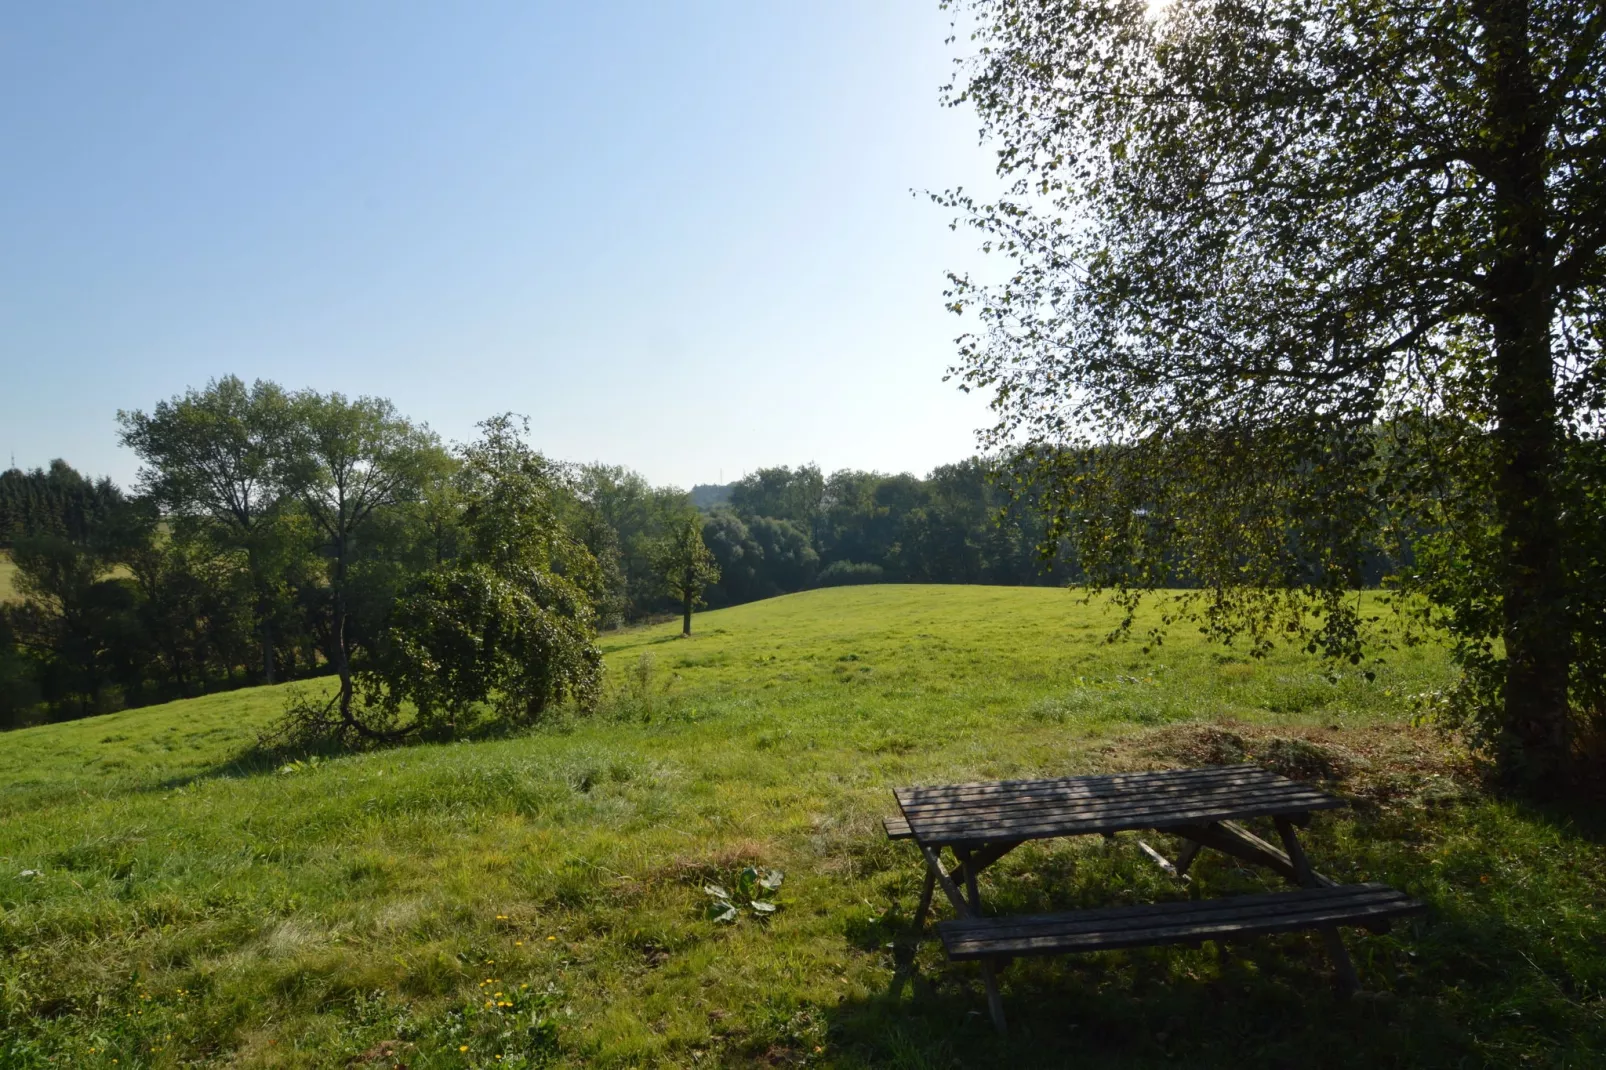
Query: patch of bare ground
{"x": 694, "y": 869}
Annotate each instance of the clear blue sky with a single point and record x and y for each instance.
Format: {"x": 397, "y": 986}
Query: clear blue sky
{"x": 678, "y": 236}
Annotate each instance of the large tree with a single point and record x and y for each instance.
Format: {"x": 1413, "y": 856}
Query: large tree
{"x": 685, "y": 565}
{"x": 209, "y": 455}
{"x": 347, "y": 461}
{"x": 1297, "y": 282}
{"x": 509, "y": 626}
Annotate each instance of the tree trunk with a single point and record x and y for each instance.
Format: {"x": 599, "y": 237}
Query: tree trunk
{"x": 1536, "y": 743}
{"x": 342, "y": 661}
{"x": 1538, "y": 628}
{"x": 685, "y": 605}
{"x": 342, "y": 656}
{"x": 267, "y": 652}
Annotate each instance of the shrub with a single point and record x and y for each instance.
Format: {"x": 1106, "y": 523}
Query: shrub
{"x": 842, "y": 573}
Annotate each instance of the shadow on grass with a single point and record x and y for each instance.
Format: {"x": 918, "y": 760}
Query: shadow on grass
{"x": 265, "y": 758}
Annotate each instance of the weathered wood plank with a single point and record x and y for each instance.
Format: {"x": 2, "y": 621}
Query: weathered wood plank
{"x": 1028, "y": 827}
{"x": 934, "y": 803}
{"x": 951, "y": 890}
{"x": 897, "y": 828}
{"x": 1233, "y": 839}
{"x": 920, "y": 817}
{"x": 1093, "y": 789}
{"x": 1021, "y": 946}
{"x": 1309, "y": 798}
{"x": 1096, "y": 782}
{"x": 1165, "y": 923}
{"x": 1159, "y": 859}
{"x": 1201, "y": 910}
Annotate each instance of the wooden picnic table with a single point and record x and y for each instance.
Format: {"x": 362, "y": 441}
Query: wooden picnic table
{"x": 982, "y": 822}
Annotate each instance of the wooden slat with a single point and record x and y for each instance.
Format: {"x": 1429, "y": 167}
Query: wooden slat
{"x": 897, "y": 828}
{"x": 1275, "y": 794}
{"x": 1165, "y": 923}
{"x": 1218, "y": 929}
{"x": 1059, "y": 790}
{"x": 1233, "y": 839}
{"x": 1098, "y": 918}
{"x": 1158, "y": 784}
{"x": 1027, "y": 827}
{"x": 966, "y": 815}
{"x": 1109, "y": 782}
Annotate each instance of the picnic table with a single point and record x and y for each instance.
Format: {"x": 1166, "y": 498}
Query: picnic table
{"x": 981, "y": 823}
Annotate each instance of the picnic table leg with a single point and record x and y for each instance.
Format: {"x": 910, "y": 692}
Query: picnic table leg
{"x": 1238, "y": 842}
{"x": 995, "y": 1000}
{"x": 949, "y": 888}
{"x": 1190, "y": 851}
{"x": 928, "y": 886}
{"x": 1348, "y": 982}
{"x": 967, "y": 862}
{"x": 970, "y": 864}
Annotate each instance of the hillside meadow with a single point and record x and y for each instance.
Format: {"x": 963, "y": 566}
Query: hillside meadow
{"x": 7, "y": 571}
{"x": 170, "y": 898}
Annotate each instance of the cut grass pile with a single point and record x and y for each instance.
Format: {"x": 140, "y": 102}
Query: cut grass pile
{"x": 538, "y": 899}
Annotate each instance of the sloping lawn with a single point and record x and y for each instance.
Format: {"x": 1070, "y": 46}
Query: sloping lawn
{"x": 7, "y": 571}
{"x": 538, "y": 899}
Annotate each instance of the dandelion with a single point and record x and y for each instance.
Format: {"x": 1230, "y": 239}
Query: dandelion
{"x": 552, "y": 938}
{"x": 518, "y": 943}
{"x": 462, "y": 1047}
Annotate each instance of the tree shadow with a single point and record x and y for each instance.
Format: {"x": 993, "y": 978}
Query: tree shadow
{"x": 263, "y": 758}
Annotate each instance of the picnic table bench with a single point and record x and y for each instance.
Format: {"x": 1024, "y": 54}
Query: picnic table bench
{"x": 981, "y": 823}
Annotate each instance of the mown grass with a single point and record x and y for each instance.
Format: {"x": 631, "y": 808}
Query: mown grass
{"x": 538, "y": 898}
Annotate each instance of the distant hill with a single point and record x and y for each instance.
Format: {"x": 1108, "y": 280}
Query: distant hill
{"x": 708, "y": 495}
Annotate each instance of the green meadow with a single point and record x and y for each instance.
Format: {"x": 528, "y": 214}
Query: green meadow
{"x": 169, "y": 898}
{"x": 7, "y": 571}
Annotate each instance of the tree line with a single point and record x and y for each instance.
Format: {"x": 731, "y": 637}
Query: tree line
{"x": 277, "y": 535}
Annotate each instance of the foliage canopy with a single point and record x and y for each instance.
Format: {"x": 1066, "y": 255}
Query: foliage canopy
{"x": 1301, "y": 283}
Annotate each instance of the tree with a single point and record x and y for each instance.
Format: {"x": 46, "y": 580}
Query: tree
{"x": 738, "y": 557}
{"x": 1298, "y": 279}
{"x": 346, "y": 461}
{"x": 639, "y": 514}
{"x": 59, "y": 501}
{"x": 78, "y": 623}
{"x": 19, "y": 693}
{"x": 685, "y": 565}
{"x": 784, "y": 493}
{"x": 211, "y": 454}
{"x": 511, "y": 623}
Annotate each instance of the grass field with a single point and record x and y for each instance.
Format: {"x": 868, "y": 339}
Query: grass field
{"x": 7, "y": 570}
{"x": 537, "y": 899}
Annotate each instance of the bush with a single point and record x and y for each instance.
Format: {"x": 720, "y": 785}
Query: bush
{"x": 842, "y": 573}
